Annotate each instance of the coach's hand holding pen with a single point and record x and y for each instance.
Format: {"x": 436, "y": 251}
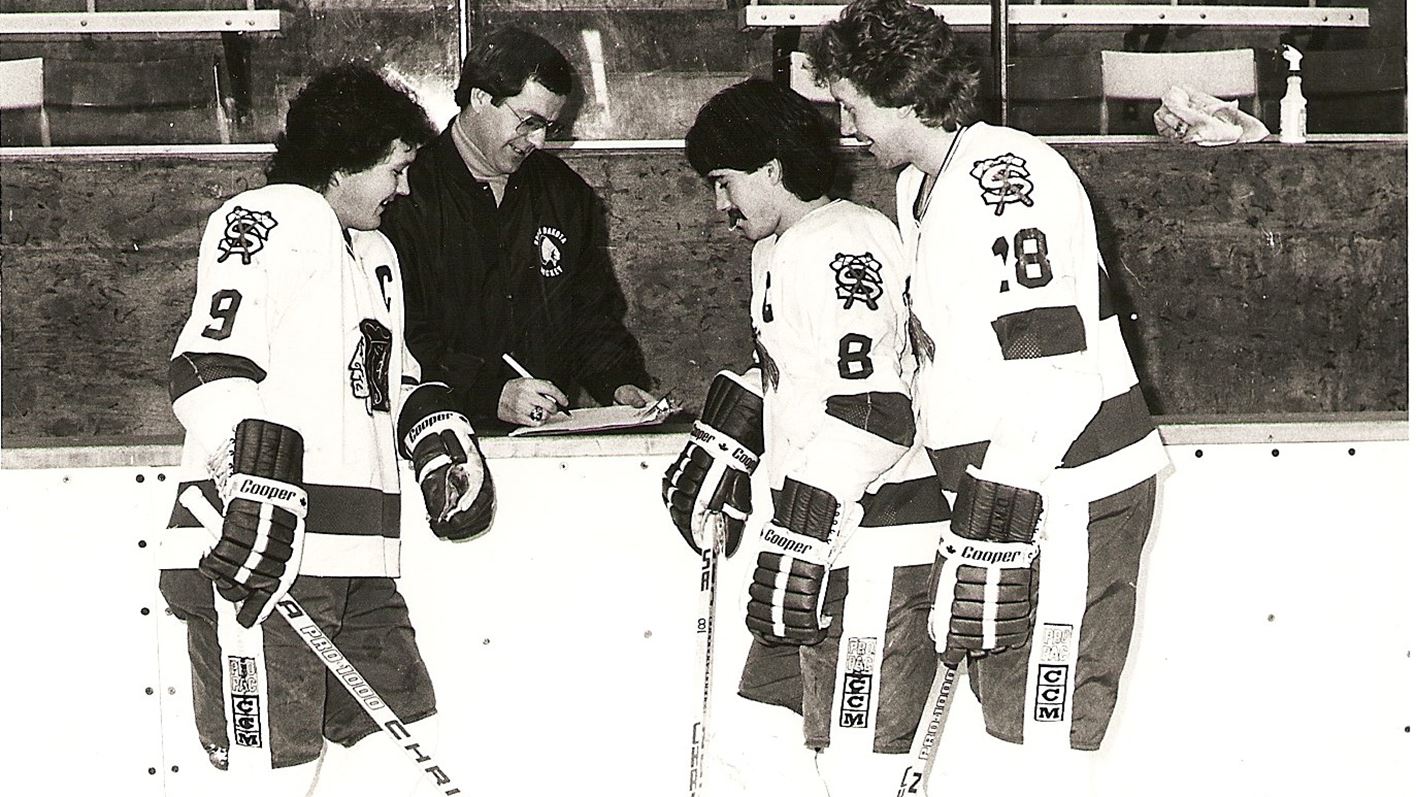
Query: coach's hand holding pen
{"x": 529, "y": 401}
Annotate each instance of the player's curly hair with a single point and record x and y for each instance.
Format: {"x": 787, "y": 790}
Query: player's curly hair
{"x": 503, "y": 57}
{"x": 748, "y": 124}
{"x": 899, "y": 54}
{"x": 345, "y": 119}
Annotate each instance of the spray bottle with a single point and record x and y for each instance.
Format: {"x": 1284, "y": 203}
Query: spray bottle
{"x": 1293, "y": 108}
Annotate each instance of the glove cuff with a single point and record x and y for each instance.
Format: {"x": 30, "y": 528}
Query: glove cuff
{"x": 442, "y": 438}
{"x": 723, "y": 448}
{"x": 984, "y": 553}
{"x": 734, "y": 406}
{"x": 798, "y": 546}
{"x": 287, "y": 496}
{"x": 994, "y": 511}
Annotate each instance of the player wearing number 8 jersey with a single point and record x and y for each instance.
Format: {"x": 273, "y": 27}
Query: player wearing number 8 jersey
{"x": 1025, "y": 396}
{"x": 839, "y": 594}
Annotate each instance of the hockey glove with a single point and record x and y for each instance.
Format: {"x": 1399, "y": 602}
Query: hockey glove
{"x": 452, "y": 473}
{"x": 987, "y": 581}
{"x": 263, "y": 528}
{"x": 788, "y": 586}
{"x": 713, "y": 472}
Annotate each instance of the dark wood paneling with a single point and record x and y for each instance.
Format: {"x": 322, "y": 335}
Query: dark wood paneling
{"x": 1265, "y": 279}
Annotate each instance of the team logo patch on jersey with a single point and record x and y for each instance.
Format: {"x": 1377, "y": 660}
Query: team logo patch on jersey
{"x": 368, "y": 368}
{"x": 858, "y": 280}
{"x": 548, "y": 243}
{"x": 245, "y": 701}
{"x": 858, "y": 683}
{"x": 246, "y": 234}
{"x": 771, "y": 374}
{"x": 1054, "y": 642}
{"x": 1003, "y": 181}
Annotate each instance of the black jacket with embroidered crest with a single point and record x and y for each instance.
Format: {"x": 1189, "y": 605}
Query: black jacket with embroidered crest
{"x": 530, "y": 277}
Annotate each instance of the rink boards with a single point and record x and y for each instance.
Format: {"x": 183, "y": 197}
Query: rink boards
{"x": 1272, "y": 654}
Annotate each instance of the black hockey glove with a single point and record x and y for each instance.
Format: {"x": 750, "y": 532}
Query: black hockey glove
{"x": 713, "y": 472}
{"x": 788, "y": 589}
{"x": 452, "y": 473}
{"x": 263, "y": 528}
{"x": 987, "y": 570}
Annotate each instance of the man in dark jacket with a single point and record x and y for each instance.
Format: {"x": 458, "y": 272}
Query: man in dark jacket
{"x": 502, "y": 254}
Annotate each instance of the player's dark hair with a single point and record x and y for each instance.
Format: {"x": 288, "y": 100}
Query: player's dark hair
{"x": 345, "y": 119}
{"x": 899, "y": 54}
{"x": 502, "y": 58}
{"x": 748, "y": 124}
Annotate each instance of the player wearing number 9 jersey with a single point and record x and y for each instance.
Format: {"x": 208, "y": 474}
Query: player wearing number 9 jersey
{"x": 839, "y": 595}
{"x": 299, "y": 397}
{"x": 1026, "y": 397}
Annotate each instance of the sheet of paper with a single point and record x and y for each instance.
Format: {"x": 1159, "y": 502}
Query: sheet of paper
{"x": 594, "y": 419}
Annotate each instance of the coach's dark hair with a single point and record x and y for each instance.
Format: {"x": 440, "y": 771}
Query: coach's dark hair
{"x": 502, "y": 58}
{"x": 747, "y": 124}
{"x": 345, "y": 119}
{"x": 898, "y": 54}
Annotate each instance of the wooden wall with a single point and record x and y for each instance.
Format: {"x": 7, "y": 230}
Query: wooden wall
{"x": 1265, "y": 278}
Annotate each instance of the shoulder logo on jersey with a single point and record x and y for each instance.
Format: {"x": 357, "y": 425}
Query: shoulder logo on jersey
{"x": 858, "y": 280}
{"x": 246, "y": 234}
{"x": 771, "y": 374}
{"x": 368, "y": 368}
{"x": 548, "y": 242}
{"x": 1003, "y": 181}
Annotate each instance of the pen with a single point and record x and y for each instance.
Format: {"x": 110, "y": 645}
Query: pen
{"x": 525, "y": 374}
{"x": 516, "y": 366}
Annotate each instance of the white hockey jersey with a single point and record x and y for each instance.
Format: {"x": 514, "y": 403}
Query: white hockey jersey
{"x": 829, "y": 322}
{"x": 300, "y": 322}
{"x": 1022, "y": 367}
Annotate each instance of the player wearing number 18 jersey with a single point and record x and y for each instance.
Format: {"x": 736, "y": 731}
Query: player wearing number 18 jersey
{"x": 1025, "y": 396}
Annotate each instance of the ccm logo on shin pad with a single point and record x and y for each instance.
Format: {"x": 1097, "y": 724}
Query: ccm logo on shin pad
{"x": 1054, "y": 641}
{"x": 858, "y": 683}
{"x": 245, "y": 701}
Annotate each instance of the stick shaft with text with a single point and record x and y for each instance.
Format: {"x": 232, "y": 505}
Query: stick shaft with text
{"x": 925, "y": 745}
{"x": 706, "y": 621}
{"x": 324, "y": 648}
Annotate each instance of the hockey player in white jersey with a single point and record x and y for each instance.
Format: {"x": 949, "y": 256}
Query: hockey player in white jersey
{"x": 838, "y": 599}
{"x": 1026, "y": 396}
{"x": 298, "y": 398}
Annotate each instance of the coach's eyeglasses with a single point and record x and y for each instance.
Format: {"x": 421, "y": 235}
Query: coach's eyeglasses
{"x": 529, "y": 123}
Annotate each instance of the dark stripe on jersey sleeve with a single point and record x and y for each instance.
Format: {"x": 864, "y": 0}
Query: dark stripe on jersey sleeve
{"x": 351, "y": 511}
{"x": 886, "y": 415}
{"x": 1040, "y": 332}
{"x": 1120, "y": 421}
{"x": 1104, "y": 301}
{"x": 949, "y": 463}
{"x": 902, "y": 503}
{"x": 188, "y": 371}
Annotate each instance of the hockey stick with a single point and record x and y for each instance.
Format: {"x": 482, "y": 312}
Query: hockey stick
{"x": 324, "y": 648}
{"x": 707, "y": 604}
{"x": 926, "y": 738}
